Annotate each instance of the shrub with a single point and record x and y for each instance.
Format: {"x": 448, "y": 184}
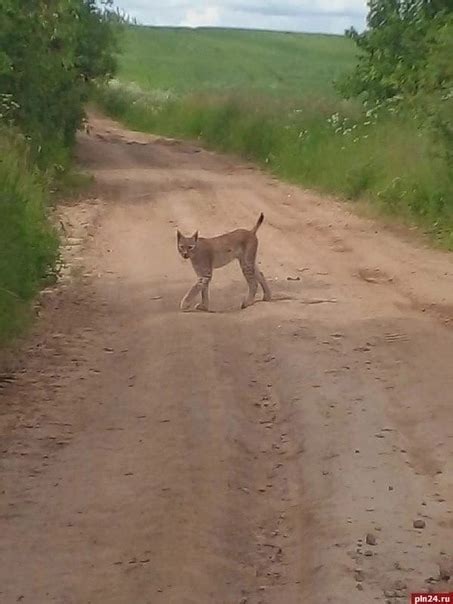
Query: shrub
{"x": 50, "y": 53}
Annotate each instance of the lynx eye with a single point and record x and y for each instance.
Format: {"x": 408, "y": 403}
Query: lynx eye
{"x": 191, "y": 247}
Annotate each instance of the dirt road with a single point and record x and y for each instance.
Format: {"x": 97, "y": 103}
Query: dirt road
{"x": 150, "y": 456}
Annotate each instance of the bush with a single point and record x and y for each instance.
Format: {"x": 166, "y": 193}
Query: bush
{"x": 50, "y": 53}
{"x": 406, "y": 57}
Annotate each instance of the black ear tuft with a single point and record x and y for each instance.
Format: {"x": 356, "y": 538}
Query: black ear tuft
{"x": 195, "y": 236}
{"x": 178, "y": 234}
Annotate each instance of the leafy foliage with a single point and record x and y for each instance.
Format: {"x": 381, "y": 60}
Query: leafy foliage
{"x": 50, "y": 53}
{"x": 406, "y": 62}
{"x": 435, "y": 97}
{"x": 395, "y": 47}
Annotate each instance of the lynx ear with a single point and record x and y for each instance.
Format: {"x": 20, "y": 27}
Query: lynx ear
{"x": 195, "y": 236}
{"x": 178, "y": 234}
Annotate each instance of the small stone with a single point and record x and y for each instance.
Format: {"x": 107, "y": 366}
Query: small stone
{"x": 359, "y": 576}
{"x": 389, "y": 593}
{"x": 446, "y": 569}
{"x": 370, "y": 539}
{"x": 368, "y": 553}
{"x": 359, "y": 586}
{"x": 419, "y": 524}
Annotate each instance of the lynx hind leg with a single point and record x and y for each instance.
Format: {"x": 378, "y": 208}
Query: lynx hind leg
{"x": 248, "y": 268}
{"x": 267, "y": 296}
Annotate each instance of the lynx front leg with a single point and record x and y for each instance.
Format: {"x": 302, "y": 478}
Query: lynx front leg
{"x": 200, "y": 286}
{"x": 204, "y": 305}
{"x": 191, "y": 294}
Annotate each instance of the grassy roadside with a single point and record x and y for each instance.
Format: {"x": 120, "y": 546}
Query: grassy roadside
{"x": 29, "y": 243}
{"x": 330, "y": 145}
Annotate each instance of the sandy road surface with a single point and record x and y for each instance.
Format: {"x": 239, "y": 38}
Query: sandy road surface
{"x": 151, "y": 457}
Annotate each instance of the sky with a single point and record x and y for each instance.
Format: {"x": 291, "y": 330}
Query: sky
{"x": 328, "y": 16}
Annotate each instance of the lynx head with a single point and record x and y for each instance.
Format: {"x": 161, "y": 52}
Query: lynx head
{"x": 187, "y": 245}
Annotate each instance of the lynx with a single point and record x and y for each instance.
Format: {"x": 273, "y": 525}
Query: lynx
{"x": 208, "y": 254}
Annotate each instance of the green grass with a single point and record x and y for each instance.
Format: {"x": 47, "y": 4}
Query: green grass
{"x": 269, "y": 97}
{"x": 194, "y": 60}
{"x": 29, "y": 244}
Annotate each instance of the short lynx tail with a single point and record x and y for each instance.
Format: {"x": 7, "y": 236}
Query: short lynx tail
{"x": 259, "y": 223}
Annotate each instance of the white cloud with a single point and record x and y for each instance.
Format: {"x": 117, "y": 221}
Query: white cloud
{"x": 331, "y": 16}
{"x": 207, "y": 17}
{"x": 343, "y": 6}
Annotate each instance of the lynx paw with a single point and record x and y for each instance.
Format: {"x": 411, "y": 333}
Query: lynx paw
{"x": 184, "y": 307}
{"x": 202, "y": 307}
{"x": 246, "y": 303}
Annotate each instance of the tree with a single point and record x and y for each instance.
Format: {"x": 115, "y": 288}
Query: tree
{"x": 51, "y": 52}
{"x": 406, "y": 56}
{"x": 394, "y": 48}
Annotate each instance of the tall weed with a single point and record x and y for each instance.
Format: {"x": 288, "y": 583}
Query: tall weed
{"x": 29, "y": 246}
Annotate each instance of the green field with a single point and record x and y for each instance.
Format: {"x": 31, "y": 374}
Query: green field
{"x": 270, "y": 98}
{"x": 193, "y": 60}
